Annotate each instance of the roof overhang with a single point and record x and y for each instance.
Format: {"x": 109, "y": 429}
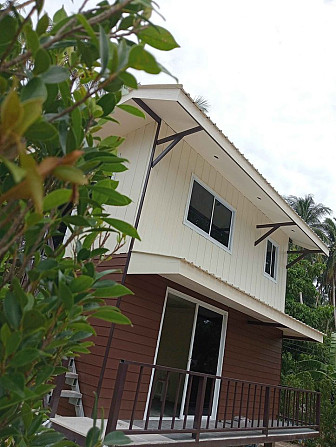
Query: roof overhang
{"x": 175, "y": 107}
{"x": 194, "y": 278}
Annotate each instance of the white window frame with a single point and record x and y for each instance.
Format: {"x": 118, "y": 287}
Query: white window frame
{"x": 276, "y": 260}
{"x": 221, "y": 351}
{"x": 220, "y": 200}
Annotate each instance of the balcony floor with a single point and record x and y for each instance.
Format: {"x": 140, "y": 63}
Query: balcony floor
{"x": 75, "y": 428}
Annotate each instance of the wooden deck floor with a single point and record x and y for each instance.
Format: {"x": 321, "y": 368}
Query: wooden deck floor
{"x": 75, "y": 428}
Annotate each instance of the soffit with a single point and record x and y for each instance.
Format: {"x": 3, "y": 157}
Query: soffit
{"x": 194, "y": 278}
{"x": 176, "y": 109}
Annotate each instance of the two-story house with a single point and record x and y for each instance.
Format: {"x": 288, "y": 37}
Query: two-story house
{"x": 202, "y": 361}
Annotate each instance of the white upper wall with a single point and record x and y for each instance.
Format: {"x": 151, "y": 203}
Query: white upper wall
{"x": 162, "y": 228}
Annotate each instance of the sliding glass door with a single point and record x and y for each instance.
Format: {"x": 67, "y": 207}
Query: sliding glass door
{"x": 191, "y": 338}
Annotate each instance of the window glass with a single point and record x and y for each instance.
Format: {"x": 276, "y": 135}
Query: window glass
{"x": 209, "y": 214}
{"x": 268, "y": 257}
{"x": 221, "y": 223}
{"x": 200, "y": 208}
{"x": 271, "y": 259}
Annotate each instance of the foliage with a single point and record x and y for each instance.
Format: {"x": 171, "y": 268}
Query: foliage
{"x": 60, "y": 80}
{"x": 311, "y": 212}
{"x": 302, "y": 277}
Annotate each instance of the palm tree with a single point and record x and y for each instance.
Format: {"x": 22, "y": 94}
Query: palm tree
{"x": 311, "y": 212}
{"x": 202, "y": 103}
{"x": 329, "y": 229}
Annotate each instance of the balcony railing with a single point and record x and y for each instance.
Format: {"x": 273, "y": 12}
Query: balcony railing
{"x": 155, "y": 399}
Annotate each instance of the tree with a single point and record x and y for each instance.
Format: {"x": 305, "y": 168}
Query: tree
{"x": 60, "y": 81}
{"x": 311, "y": 212}
{"x": 329, "y": 229}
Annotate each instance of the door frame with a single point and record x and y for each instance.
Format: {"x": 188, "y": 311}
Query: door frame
{"x": 221, "y": 349}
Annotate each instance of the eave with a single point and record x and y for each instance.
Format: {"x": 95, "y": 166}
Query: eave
{"x": 175, "y": 107}
{"x": 194, "y": 278}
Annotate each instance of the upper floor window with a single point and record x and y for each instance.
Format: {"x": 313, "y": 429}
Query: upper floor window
{"x": 210, "y": 214}
{"x": 271, "y": 259}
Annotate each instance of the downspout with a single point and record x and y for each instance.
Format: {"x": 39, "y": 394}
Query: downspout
{"x": 136, "y": 224}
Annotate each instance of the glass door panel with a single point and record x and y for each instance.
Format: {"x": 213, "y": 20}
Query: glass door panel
{"x": 205, "y": 353}
{"x": 173, "y": 351}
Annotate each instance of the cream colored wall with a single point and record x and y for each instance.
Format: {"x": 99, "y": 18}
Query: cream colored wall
{"x": 162, "y": 229}
{"x": 136, "y": 149}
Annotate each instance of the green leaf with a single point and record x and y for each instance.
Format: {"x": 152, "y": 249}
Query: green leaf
{"x": 25, "y": 356}
{"x": 92, "y": 437}
{"x": 8, "y": 26}
{"x": 42, "y": 24}
{"x": 79, "y": 221}
{"x": 107, "y": 103}
{"x": 41, "y": 131}
{"x": 112, "y": 292}
{"x": 56, "y": 198}
{"x": 111, "y": 314}
{"x": 81, "y": 284}
{"x": 158, "y": 37}
{"x": 70, "y": 174}
{"x": 89, "y": 240}
{"x": 88, "y": 28}
{"x": 66, "y": 296}
{"x": 12, "y": 343}
{"x": 110, "y": 197}
{"x": 116, "y": 438}
{"x": 33, "y": 319}
{"x": 123, "y": 227}
{"x": 35, "y": 88}
{"x": 103, "y": 49}
{"x": 140, "y": 59}
{"x": 32, "y": 40}
{"x": 55, "y": 75}
{"x": 76, "y": 119}
{"x": 17, "y": 172}
{"x": 12, "y": 310}
{"x": 46, "y": 438}
{"x": 42, "y": 61}
{"x": 5, "y": 333}
{"x": 128, "y": 79}
{"x": 133, "y": 110}
{"x": 47, "y": 264}
{"x": 60, "y": 15}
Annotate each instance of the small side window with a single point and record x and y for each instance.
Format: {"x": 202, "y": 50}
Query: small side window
{"x": 271, "y": 259}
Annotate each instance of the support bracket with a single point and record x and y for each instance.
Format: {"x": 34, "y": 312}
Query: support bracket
{"x": 273, "y": 227}
{"x": 302, "y": 253}
{"x": 175, "y": 138}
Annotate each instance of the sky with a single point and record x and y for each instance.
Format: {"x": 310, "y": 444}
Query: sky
{"x": 268, "y": 70}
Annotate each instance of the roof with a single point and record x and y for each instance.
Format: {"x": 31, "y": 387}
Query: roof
{"x": 175, "y": 107}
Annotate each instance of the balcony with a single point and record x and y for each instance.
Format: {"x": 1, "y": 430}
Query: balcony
{"x": 156, "y": 404}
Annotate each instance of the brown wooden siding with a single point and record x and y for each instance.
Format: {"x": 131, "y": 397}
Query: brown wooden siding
{"x": 251, "y": 353}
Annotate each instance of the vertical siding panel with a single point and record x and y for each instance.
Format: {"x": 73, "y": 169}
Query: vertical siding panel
{"x": 162, "y": 229}
{"x": 183, "y": 240}
{"x": 239, "y": 239}
{"x": 180, "y": 193}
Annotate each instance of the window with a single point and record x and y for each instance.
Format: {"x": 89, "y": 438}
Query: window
{"x": 271, "y": 259}
{"x": 209, "y": 214}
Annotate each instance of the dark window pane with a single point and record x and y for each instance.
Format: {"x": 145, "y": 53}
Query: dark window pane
{"x": 268, "y": 258}
{"x": 200, "y": 208}
{"x": 273, "y": 261}
{"x": 221, "y": 223}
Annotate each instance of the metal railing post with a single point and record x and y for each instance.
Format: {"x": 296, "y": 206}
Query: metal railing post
{"x": 117, "y": 396}
{"x": 266, "y": 410}
{"x": 199, "y": 406}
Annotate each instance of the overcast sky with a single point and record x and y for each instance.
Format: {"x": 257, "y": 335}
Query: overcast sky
{"x": 268, "y": 70}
